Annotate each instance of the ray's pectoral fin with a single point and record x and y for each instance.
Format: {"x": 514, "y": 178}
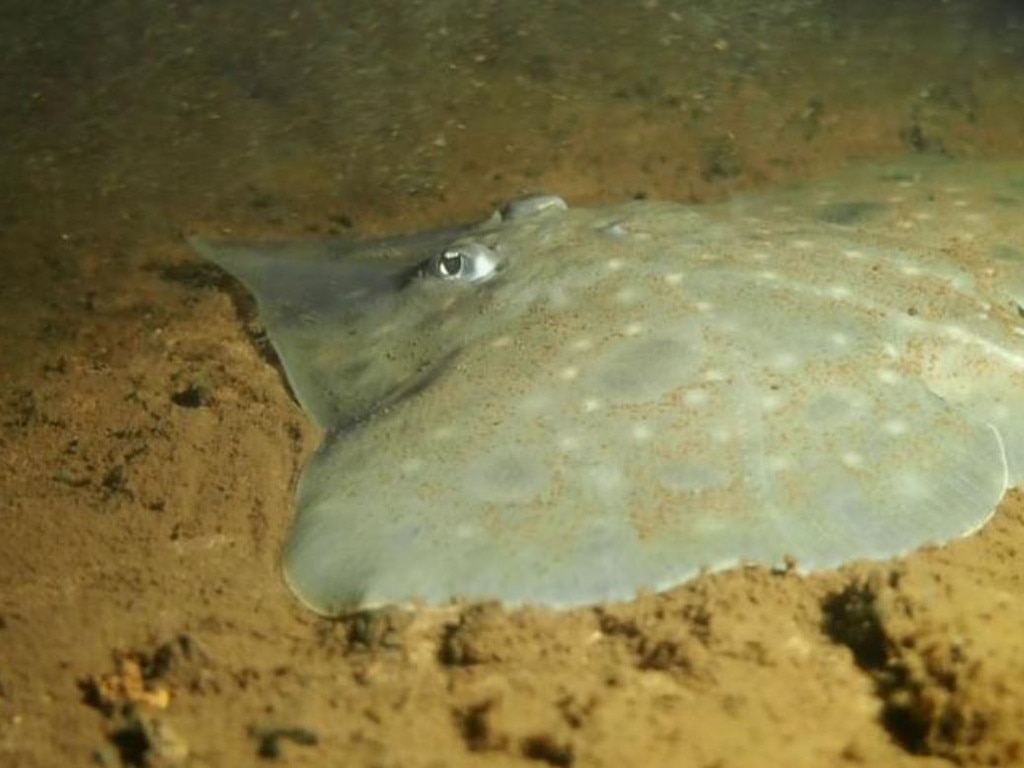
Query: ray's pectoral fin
{"x": 331, "y": 310}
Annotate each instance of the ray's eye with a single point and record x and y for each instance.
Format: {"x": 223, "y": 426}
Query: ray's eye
{"x": 467, "y": 262}
{"x": 449, "y": 264}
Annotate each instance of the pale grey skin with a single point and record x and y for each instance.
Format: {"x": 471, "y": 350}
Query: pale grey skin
{"x": 569, "y": 406}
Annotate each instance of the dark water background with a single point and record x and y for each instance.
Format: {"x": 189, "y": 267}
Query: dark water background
{"x": 398, "y": 105}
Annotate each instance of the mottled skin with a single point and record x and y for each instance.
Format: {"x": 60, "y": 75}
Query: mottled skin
{"x": 567, "y": 406}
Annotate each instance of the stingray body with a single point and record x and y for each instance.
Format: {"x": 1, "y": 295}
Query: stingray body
{"x": 565, "y": 406}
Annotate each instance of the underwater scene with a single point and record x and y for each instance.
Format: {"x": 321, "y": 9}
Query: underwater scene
{"x": 475, "y": 383}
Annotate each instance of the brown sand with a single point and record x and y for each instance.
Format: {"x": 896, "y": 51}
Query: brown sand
{"x": 150, "y": 448}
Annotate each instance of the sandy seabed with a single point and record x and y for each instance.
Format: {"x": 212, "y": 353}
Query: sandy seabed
{"x": 150, "y": 446}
